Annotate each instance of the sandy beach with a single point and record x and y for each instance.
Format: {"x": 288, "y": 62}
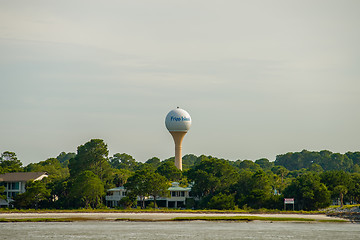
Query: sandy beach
{"x": 103, "y": 216}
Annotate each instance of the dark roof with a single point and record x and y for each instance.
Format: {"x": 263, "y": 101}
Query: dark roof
{"x": 20, "y": 176}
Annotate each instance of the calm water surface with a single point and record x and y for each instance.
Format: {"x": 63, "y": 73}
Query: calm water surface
{"x": 179, "y": 230}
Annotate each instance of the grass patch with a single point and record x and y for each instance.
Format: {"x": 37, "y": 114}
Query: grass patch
{"x": 332, "y": 207}
{"x": 140, "y": 220}
{"x": 151, "y": 210}
{"x": 334, "y": 221}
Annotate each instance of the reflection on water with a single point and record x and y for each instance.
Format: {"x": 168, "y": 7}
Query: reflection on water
{"x": 179, "y": 230}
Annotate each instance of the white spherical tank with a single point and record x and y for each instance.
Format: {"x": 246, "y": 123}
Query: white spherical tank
{"x": 178, "y": 120}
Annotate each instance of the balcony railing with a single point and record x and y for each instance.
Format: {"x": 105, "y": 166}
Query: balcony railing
{"x": 113, "y": 198}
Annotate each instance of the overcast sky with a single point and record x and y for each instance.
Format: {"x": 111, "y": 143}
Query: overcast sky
{"x": 259, "y": 78}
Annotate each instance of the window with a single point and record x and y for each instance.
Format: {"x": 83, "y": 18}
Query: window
{"x": 13, "y": 186}
{"x": 178, "y": 194}
{"x": 11, "y": 194}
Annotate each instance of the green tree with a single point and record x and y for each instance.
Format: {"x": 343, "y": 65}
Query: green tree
{"x": 222, "y": 202}
{"x": 309, "y": 192}
{"x": 205, "y": 183}
{"x": 168, "y": 170}
{"x": 52, "y": 166}
{"x": 212, "y": 175}
{"x": 123, "y": 161}
{"x": 265, "y": 164}
{"x": 242, "y": 188}
{"x": 316, "y": 168}
{"x": 278, "y": 181}
{"x": 121, "y": 176}
{"x": 92, "y": 156}
{"x": 336, "y": 161}
{"x": 188, "y": 161}
{"x": 128, "y": 201}
{"x": 248, "y": 165}
{"x": 138, "y": 185}
{"x": 158, "y": 186}
{"x": 335, "y": 178}
{"x": 354, "y": 189}
{"x": 65, "y": 157}
{"x": 146, "y": 183}
{"x": 291, "y": 161}
{"x": 355, "y": 168}
{"x": 36, "y": 193}
{"x": 281, "y": 172}
{"x": 154, "y": 163}
{"x": 88, "y": 189}
{"x": 57, "y": 176}
{"x": 10, "y": 163}
{"x": 2, "y": 190}
{"x": 296, "y": 173}
{"x": 252, "y": 189}
{"x": 326, "y": 159}
{"x": 261, "y": 190}
{"x": 341, "y": 190}
{"x": 60, "y": 193}
{"x": 354, "y": 156}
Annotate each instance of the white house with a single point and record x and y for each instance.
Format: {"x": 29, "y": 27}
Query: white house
{"x": 176, "y": 199}
{"x": 178, "y": 195}
{"x": 114, "y": 195}
{"x": 14, "y": 184}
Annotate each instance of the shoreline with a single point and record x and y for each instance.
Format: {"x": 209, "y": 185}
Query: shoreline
{"x": 165, "y": 216}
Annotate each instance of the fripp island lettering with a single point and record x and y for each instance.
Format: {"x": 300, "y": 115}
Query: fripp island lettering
{"x": 178, "y": 119}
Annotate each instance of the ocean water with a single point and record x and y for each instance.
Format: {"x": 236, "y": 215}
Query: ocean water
{"x": 179, "y": 230}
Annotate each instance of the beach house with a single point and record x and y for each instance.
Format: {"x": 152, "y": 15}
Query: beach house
{"x": 176, "y": 199}
{"x": 15, "y": 183}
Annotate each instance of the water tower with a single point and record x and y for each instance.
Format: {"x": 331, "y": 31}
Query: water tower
{"x": 178, "y": 122}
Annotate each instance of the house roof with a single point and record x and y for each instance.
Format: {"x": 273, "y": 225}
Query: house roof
{"x": 175, "y": 187}
{"x": 116, "y": 189}
{"x": 179, "y": 189}
{"x": 21, "y": 176}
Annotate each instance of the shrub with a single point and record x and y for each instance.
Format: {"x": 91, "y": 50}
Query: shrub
{"x": 222, "y": 202}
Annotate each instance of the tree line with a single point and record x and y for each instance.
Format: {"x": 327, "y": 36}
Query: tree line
{"x": 80, "y": 180}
